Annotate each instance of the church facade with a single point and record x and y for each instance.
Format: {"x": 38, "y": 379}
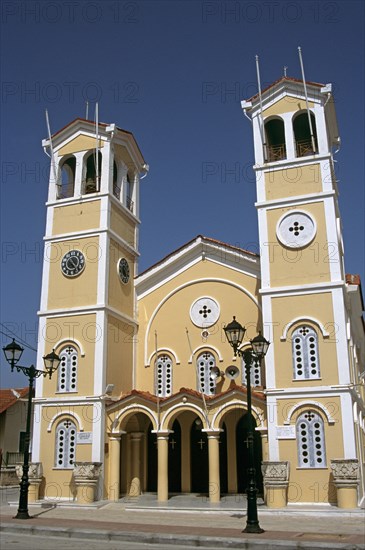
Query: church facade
{"x": 148, "y": 396}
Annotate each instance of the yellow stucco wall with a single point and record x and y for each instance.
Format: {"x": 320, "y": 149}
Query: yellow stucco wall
{"x": 122, "y": 226}
{"x": 286, "y": 105}
{"x": 120, "y": 295}
{"x": 72, "y": 330}
{"x": 66, "y": 292}
{"x": 76, "y": 217}
{"x": 312, "y": 484}
{"x": 79, "y": 143}
{"x": 310, "y": 264}
{"x": 290, "y": 182}
{"x": 172, "y": 328}
{"x": 58, "y": 483}
{"x": 120, "y": 355}
{"x": 318, "y": 306}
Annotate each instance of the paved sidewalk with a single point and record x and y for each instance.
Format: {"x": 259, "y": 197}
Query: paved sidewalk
{"x": 191, "y": 520}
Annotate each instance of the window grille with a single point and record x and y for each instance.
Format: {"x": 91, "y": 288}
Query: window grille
{"x": 310, "y": 440}
{"x": 305, "y": 354}
{"x": 67, "y": 371}
{"x": 206, "y": 383}
{"x": 65, "y": 444}
{"x": 163, "y": 376}
{"x": 255, "y": 376}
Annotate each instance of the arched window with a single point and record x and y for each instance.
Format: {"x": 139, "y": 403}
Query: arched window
{"x": 310, "y": 440}
{"x": 92, "y": 183}
{"x": 163, "y": 376}
{"x": 206, "y": 383}
{"x": 305, "y": 353}
{"x": 65, "y": 452}
{"x": 275, "y": 139}
{"x": 67, "y": 183}
{"x": 255, "y": 378}
{"x": 129, "y": 191}
{"x": 302, "y": 134}
{"x": 116, "y": 182}
{"x": 67, "y": 371}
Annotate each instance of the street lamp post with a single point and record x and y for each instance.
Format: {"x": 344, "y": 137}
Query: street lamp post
{"x": 259, "y": 346}
{"x": 13, "y": 353}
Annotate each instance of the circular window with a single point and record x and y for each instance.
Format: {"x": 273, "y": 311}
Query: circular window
{"x": 296, "y": 229}
{"x": 204, "y": 312}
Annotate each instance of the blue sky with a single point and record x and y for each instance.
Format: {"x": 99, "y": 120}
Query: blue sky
{"x": 172, "y": 72}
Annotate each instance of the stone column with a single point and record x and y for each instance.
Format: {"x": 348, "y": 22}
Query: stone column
{"x": 86, "y": 476}
{"x": 135, "y": 486}
{"x": 162, "y": 468}
{"x": 276, "y": 482}
{"x": 214, "y": 477}
{"x": 35, "y": 476}
{"x": 346, "y": 478}
{"x": 114, "y": 467}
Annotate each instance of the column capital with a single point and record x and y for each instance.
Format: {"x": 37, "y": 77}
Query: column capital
{"x": 162, "y": 434}
{"x": 212, "y": 433}
{"x": 136, "y": 436}
{"x": 113, "y": 436}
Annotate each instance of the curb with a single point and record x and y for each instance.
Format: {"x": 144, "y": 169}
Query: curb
{"x": 173, "y": 538}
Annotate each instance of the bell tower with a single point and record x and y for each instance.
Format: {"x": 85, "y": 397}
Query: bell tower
{"x": 87, "y": 312}
{"x": 303, "y": 284}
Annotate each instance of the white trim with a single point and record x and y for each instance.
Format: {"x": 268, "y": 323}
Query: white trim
{"x": 268, "y": 332}
{"x": 272, "y": 423}
{"x": 205, "y": 347}
{"x": 86, "y": 310}
{"x": 308, "y": 403}
{"x": 339, "y": 321}
{"x": 100, "y": 355}
{"x": 66, "y": 341}
{"x": 68, "y": 412}
{"x": 304, "y": 319}
{"x": 281, "y": 238}
{"x": 348, "y": 427}
{"x": 98, "y": 430}
{"x": 163, "y": 350}
{"x": 135, "y": 407}
{"x": 312, "y": 288}
{"x": 103, "y": 270}
{"x": 239, "y": 404}
{"x": 334, "y": 259}
{"x": 201, "y": 412}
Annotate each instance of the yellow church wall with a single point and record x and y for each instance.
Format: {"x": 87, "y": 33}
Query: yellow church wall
{"x": 71, "y": 330}
{"x": 312, "y": 484}
{"x": 286, "y": 105}
{"x": 65, "y": 292}
{"x": 310, "y": 264}
{"x": 120, "y": 295}
{"x": 290, "y": 182}
{"x": 76, "y": 217}
{"x": 120, "y": 355}
{"x": 58, "y": 482}
{"x": 79, "y": 143}
{"x": 122, "y": 226}
{"x": 320, "y": 307}
{"x": 170, "y": 325}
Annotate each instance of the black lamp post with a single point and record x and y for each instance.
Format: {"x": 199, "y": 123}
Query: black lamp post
{"x": 259, "y": 346}
{"x": 13, "y": 353}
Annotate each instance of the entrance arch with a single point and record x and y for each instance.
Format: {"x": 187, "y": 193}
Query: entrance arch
{"x": 199, "y": 458}
{"x": 242, "y": 454}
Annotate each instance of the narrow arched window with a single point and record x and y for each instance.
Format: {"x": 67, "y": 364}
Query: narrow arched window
{"x": 163, "y": 376}
{"x": 65, "y": 451}
{"x": 304, "y": 143}
{"x": 275, "y": 140}
{"x": 206, "y": 382}
{"x": 67, "y": 183}
{"x": 67, "y": 371}
{"x": 129, "y": 191}
{"x": 310, "y": 440}
{"x": 92, "y": 173}
{"x": 116, "y": 181}
{"x": 305, "y": 353}
{"x": 255, "y": 374}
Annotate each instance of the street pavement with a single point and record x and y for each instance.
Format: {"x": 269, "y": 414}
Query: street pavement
{"x": 185, "y": 520}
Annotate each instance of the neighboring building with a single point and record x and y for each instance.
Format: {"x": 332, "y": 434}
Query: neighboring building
{"x": 13, "y": 417}
{"x": 135, "y": 389}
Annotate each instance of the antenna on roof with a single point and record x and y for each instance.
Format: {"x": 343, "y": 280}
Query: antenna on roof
{"x": 306, "y": 100}
{"x": 261, "y": 121}
{"x": 285, "y": 69}
{"x": 53, "y": 164}
{"x": 87, "y": 111}
{"x": 97, "y": 145}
